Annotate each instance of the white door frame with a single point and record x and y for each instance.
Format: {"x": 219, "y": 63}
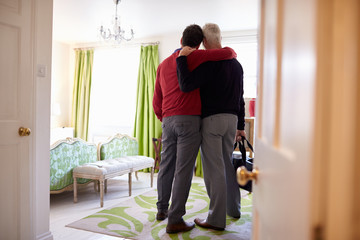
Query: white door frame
{"x": 43, "y": 14}
{"x": 336, "y": 193}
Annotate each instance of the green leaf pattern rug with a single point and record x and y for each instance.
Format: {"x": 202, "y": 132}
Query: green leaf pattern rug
{"x": 135, "y": 219}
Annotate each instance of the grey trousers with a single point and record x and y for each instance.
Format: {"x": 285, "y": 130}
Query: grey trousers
{"x": 181, "y": 139}
{"x": 218, "y": 134}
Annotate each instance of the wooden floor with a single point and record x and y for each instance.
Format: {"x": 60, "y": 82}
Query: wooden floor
{"x": 64, "y": 211}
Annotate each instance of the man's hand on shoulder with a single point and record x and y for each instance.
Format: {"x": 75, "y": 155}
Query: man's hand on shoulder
{"x": 185, "y": 51}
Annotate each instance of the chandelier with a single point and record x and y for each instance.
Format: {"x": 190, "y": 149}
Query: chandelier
{"x": 118, "y": 34}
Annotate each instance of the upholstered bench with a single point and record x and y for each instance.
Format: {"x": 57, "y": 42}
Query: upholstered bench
{"x": 118, "y": 156}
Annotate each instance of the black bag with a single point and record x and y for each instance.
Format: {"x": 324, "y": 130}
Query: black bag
{"x": 243, "y": 160}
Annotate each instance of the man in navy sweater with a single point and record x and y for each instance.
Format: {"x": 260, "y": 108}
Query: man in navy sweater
{"x": 222, "y": 113}
{"x": 180, "y": 116}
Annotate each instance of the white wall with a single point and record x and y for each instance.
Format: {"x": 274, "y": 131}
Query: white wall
{"x": 168, "y": 44}
{"x": 61, "y": 84}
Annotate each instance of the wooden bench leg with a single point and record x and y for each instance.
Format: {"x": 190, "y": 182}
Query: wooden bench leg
{"x": 136, "y": 175}
{"x": 106, "y": 186}
{"x": 152, "y": 177}
{"x": 130, "y": 180}
{"x": 75, "y": 190}
{"x": 95, "y": 185}
{"x": 101, "y": 192}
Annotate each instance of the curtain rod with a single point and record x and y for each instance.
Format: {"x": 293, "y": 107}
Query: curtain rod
{"x": 151, "y": 43}
{"x": 84, "y": 48}
{"x": 99, "y": 45}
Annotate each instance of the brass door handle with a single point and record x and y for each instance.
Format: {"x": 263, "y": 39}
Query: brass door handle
{"x": 24, "y": 131}
{"x": 243, "y": 175}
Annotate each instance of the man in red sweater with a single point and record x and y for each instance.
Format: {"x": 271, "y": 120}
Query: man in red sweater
{"x": 181, "y": 137}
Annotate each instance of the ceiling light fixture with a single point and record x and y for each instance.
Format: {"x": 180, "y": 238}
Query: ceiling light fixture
{"x": 118, "y": 33}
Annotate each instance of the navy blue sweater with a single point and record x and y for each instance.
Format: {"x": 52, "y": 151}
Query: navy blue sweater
{"x": 221, "y": 86}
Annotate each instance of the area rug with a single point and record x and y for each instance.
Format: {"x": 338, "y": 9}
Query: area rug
{"x": 135, "y": 219}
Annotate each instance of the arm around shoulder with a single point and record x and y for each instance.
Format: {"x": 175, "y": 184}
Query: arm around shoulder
{"x": 186, "y": 79}
{"x": 200, "y": 56}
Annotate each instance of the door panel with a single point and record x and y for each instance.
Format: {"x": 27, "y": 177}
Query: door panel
{"x": 9, "y": 201}
{"x": 272, "y": 201}
{"x": 10, "y": 36}
{"x": 16, "y": 104}
{"x": 268, "y": 86}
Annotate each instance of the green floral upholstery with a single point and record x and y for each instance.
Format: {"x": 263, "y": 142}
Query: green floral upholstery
{"x": 118, "y": 146}
{"x": 66, "y": 155}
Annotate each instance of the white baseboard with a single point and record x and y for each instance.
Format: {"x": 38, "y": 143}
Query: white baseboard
{"x": 45, "y": 236}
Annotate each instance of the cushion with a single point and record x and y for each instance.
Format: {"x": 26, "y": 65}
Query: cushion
{"x": 102, "y": 167}
{"x": 114, "y": 165}
{"x": 136, "y": 161}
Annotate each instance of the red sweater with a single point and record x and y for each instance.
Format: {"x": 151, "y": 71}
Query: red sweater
{"x": 168, "y": 99}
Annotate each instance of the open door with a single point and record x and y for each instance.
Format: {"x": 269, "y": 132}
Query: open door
{"x": 309, "y": 70}
{"x": 285, "y": 120}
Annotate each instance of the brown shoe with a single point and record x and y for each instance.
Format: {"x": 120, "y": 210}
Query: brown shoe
{"x": 179, "y": 227}
{"x": 161, "y": 215}
{"x": 204, "y": 224}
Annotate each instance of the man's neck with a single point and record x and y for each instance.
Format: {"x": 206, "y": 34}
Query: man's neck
{"x": 214, "y": 46}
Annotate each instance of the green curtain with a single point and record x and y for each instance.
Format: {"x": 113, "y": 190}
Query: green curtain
{"x": 81, "y": 92}
{"x": 198, "y": 166}
{"x": 147, "y": 126}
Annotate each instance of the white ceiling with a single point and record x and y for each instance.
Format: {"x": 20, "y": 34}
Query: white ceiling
{"x": 78, "y": 21}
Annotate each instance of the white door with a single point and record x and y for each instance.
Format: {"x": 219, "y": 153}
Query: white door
{"x": 285, "y": 120}
{"x": 16, "y": 108}
{"x": 307, "y": 130}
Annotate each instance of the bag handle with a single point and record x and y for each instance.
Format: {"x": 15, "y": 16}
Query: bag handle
{"x": 242, "y": 144}
{"x": 243, "y": 139}
{"x": 242, "y": 147}
{"x": 243, "y": 153}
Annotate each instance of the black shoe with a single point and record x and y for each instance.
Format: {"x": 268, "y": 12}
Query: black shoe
{"x": 237, "y": 216}
{"x": 179, "y": 227}
{"x": 161, "y": 215}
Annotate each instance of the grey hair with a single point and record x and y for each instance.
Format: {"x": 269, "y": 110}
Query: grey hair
{"x": 212, "y": 33}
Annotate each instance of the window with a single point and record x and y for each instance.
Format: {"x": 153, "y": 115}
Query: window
{"x": 113, "y": 92}
{"x": 246, "y": 48}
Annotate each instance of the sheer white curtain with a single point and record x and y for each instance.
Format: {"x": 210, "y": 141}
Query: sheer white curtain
{"x": 113, "y": 92}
